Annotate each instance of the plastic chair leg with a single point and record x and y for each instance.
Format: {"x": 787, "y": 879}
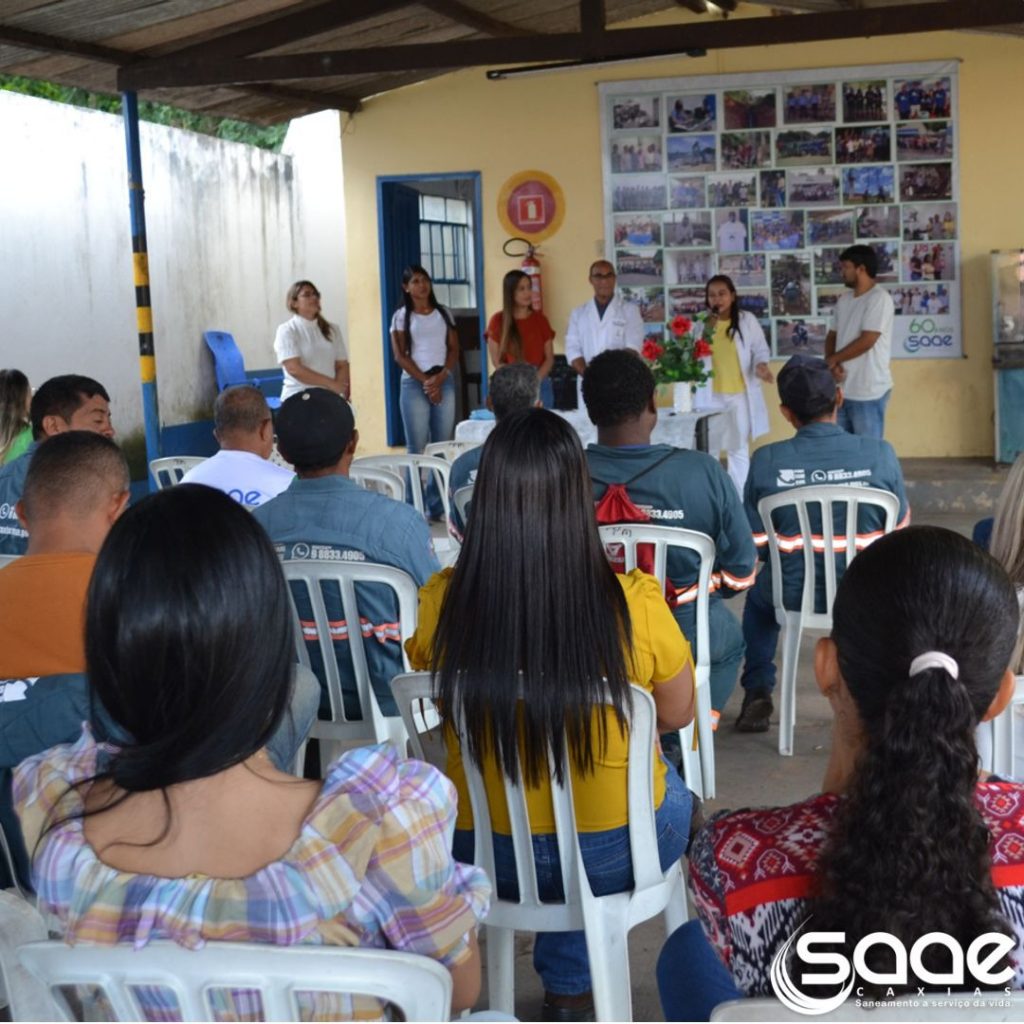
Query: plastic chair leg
{"x": 706, "y": 738}
{"x": 790, "y": 658}
{"x": 608, "y": 951}
{"x": 501, "y": 969}
{"x": 675, "y": 913}
{"x": 691, "y": 761}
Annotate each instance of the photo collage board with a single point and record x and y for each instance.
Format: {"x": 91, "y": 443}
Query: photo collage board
{"x": 768, "y": 177}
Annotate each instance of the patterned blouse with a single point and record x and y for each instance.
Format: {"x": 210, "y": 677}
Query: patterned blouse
{"x": 371, "y": 867}
{"x": 751, "y": 874}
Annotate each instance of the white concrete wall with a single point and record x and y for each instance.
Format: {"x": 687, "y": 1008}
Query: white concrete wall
{"x": 229, "y": 227}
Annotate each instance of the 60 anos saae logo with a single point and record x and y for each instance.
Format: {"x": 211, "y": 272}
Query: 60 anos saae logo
{"x": 927, "y": 333}
{"x": 981, "y": 958}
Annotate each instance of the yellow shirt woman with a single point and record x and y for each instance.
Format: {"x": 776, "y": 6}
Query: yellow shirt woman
{"x": 725, "y": 361}
{"x": 658, "y": 653}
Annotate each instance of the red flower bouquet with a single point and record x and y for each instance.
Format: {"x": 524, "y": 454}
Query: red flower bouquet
{"x": 681, "y": 358}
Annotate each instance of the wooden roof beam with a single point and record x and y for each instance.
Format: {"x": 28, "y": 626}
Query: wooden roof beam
{"x": 464, "y": 15}
{"x": 120, "y": 58}
{"x": 616, "y": 44}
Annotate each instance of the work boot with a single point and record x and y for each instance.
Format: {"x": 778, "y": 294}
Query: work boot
{"x": 756, "y": 713}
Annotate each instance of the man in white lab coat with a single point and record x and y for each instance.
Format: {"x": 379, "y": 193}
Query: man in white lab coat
{"x": 606, "y": 321}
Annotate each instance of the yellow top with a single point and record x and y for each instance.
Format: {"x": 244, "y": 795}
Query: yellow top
{"x": 725, "y": 361}
{"x": 659, "y": 653}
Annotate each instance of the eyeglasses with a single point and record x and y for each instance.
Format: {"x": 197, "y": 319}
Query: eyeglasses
{"x": 602, "y": 277}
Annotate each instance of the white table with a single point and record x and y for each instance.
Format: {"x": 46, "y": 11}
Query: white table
{"x": 677, "y": 429}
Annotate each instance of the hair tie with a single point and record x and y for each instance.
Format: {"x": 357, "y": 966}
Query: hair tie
{"x": 934, "y": 659}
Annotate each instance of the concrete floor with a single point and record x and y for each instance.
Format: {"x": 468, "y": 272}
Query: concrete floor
{"x": 750, "y": 772}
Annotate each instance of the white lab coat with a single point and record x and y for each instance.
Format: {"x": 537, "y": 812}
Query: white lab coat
{"x": 752, "y": 348}
{"x": 588, "y": 334}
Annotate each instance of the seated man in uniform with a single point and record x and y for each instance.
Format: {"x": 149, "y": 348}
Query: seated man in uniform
{"x": 69, "y": 402}
{"x": 820, "y": 453}
{"x": 512, "y": 387}
{"x": 671, "y": 487}
{"x": 325, "y": 516}
{"x": 242, "y": 468}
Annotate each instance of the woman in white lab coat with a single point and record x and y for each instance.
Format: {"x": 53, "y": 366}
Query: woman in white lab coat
{"x": 740, "y": 357}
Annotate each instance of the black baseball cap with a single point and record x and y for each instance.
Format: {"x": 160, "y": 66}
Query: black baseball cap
{"x": 807, "y": 387}
{"x": 314, "y": 428}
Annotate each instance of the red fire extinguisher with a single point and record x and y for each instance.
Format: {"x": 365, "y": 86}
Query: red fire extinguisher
{"x": 530, "y": 266}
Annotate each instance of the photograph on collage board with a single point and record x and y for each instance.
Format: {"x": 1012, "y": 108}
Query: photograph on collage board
{"x": 769, "y": 182}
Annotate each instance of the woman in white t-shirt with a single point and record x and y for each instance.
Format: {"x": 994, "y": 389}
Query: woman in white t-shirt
{"x": 311, "y": 351}
{"x": 426, "y": 347}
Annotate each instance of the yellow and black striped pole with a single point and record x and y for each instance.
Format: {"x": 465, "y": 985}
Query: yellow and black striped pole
{"x": 140, "y": 271}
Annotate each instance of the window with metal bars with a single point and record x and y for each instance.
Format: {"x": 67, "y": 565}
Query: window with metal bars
{"x": 446, "y": 249}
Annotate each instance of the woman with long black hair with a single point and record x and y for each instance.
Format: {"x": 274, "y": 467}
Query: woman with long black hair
{"x": 739, "y": 354}
{"x": 533, "y": 604}
{"x": 186, "y": 830}
{"x": 906, "y": 838}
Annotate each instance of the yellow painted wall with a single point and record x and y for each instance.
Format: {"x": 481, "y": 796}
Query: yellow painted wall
{"x": 462, "y": 122}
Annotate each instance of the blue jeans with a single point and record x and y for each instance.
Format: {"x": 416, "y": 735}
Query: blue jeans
{"x": 560, "y": 958}
{"x": 761, "y": 635}
{"x": 547, "y": 393}
{"x": 864, "y": 418}
{"x": 726, "y": 642}
{"x": 692, "y": 980}
{"x": 425, "y": 422}
{"x": 297, "y": 721}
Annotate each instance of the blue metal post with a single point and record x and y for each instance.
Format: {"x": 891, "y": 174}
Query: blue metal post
{"x": 140, "y": 270}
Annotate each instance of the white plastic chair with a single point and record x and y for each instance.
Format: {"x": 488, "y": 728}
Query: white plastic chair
{"x": 828, "y": 498}
{"x": 411, "y": 468}
{"x": 449, "y": 450}
{"x": 382, "y": 481}
{"x": 7, "y": 559}
{"x": 700, "y": 772}
{"x": 933, "y": 1006}
{"x": 420, "y": 987}
{"x": 374, "y": 726}
{"x": 21, "y": 992}
{"x": 605, "y": 920}
{"x": 1004, "y": 742}
{"x": 168, "y": 471}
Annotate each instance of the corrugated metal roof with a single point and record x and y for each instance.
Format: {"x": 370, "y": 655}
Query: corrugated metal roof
{"x": 126, "y": 32}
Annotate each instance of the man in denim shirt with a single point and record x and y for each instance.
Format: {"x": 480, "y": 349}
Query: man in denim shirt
{"x": 325, "y": 516}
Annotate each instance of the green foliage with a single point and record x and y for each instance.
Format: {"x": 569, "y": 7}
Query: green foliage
{"x": 226, "y": 128}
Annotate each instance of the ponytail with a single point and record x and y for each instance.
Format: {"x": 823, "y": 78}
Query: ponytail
{"x": 924, "y": 624}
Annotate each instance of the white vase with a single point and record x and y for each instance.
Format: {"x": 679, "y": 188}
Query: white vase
{"x": 682, "y": 397}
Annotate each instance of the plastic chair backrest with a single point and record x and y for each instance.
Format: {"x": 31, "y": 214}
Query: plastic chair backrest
{"x": 383, "y": 481}
{"x": 449, "y": 450}
{"x": 412, "y": 465}
{"x": 661, "y": 539}
{"x": 7, "y": 559}
{"x": 20, "y": 923}
{"x": 168, "y": 471}
{"x": 462, "y": 497}
{"x": 545, "y": 916}
{"x": 934, "y": 1006}
{"x": 828, "y": 497}
{"x": 420, "y": 987}
{"x": 228, "y": 363}
{"x": 311, "y": 574}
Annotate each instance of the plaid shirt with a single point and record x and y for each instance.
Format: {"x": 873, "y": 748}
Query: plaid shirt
{"x": 371, "y": 867}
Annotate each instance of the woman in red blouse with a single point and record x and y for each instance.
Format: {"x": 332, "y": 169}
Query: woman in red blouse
{"x": 521, "y": 334}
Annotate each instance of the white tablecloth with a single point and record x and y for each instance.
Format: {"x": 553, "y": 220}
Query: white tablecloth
{"x": 672, "y": 428}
